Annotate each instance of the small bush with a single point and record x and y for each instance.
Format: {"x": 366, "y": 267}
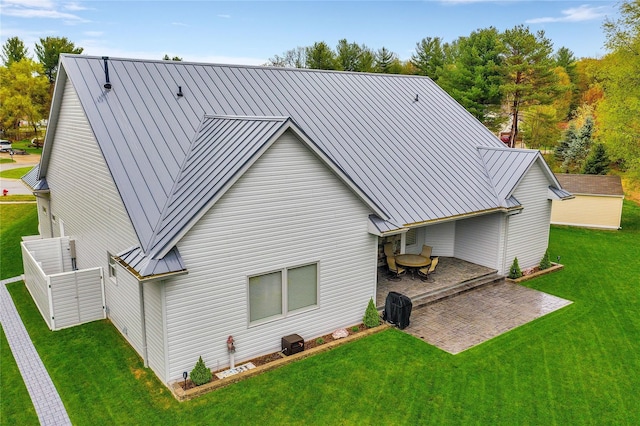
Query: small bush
{"x": 514, "y": 271}
{"x": 319, "y": 341}
{"x": 371, "y": 318}
{"x": 355, "y": 328}
{"x": 200, "y": 373}
{"x": 545, "y": 263}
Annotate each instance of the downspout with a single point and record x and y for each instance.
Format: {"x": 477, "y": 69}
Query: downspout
{"x": 145, "y": 354}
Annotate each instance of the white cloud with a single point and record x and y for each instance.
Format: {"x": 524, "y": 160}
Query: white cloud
{"x": 575, "y": 14}
{"x": 41, "y": 9}
{"x": 94, "y": 33}
{"x": 179, "y": 24}
{"x": 75, "y": 6}
{"x": 40, "y": 4}
{"x": 224, "y": 16}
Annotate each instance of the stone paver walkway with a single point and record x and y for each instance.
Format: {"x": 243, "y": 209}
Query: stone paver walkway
{"x": 44, "y": 395}
{"x": 468, "y": 319}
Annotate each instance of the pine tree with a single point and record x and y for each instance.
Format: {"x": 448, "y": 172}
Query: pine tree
{"x": 598, "y": 161}
{"x": 200, "y": 373}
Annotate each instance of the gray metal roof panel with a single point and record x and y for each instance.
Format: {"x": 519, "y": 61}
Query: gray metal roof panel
{"x": 145, "y": 266}
{"x": 561, "y": 193}
{"x": 31, "y": 177}
{"x": 416, "y": 159}
{"x": 506, "y": 166}
{"x": 382, "y": 225}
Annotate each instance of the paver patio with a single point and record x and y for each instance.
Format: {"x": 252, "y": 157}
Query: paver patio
{"x": 468, "y": 319}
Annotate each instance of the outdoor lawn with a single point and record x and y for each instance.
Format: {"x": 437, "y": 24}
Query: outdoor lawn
{"x": 578, "y": 365}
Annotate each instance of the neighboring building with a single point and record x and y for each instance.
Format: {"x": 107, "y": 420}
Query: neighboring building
{"x": 597, "y": 203}
{"x": 249, "y": 201}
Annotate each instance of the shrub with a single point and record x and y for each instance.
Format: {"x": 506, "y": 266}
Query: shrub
{"x": 371, "y": 318}
{"x": 355, "y": 328}
{"x": 545, "y": 263}
{"x": 200, "y": 373}
{"x": 319, "y": 341}
{"x": 514, "y": 270}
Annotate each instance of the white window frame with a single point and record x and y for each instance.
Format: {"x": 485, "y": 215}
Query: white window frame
{"x": 286, "y": 313}
{"x": 112, "y": 267}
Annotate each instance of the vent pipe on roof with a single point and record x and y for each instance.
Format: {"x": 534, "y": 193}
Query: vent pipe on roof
{"x": 107, "y": 85}
{"x": 180, "y": 94}
{"x": 416, "y": 99}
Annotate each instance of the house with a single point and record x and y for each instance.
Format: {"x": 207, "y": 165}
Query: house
{"x": 252, "y": 201}
{"x": 597, "y": 203}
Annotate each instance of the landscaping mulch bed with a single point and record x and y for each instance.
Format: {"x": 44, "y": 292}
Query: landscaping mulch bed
{"x": 275, "y": 356}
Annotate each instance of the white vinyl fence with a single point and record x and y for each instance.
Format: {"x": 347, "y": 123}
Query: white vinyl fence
{"x": 64, "y": 297}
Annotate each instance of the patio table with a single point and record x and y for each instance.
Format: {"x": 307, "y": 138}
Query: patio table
{"x": 413, "y": 262}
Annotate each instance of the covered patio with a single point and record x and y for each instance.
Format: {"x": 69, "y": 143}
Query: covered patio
{"x": 452, "y": 276}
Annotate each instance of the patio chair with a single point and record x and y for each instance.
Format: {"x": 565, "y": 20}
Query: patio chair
{"x": 426, "y": 251}
{"x": 394, "y": 270}
{"x": 388, "y": 250}
{"x": 423, "y": 273}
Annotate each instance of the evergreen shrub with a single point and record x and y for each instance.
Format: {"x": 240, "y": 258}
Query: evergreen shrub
{"x": 514, "y": 270}
{"x": 371, "y": 318}
{"x": 200, "y": 373}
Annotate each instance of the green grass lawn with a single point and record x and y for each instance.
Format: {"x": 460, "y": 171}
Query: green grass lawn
{"x": 16, "y": 407}
{"x": 15, "y": 173}
{"x": 578, "y": 365}
{"x": 16, "y": 221}
{"x": 18, "y": 197}
{"x": 6, "y": 160}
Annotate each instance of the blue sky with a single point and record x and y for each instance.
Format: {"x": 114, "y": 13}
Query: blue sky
{"x": 250, "y": 32}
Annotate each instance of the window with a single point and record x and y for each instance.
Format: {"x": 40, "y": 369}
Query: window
{"x": 410, "y": 238}
{"x": 112, "y": 266}
{"x": 280, "y": 293}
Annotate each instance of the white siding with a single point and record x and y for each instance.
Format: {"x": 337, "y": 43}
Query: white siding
{"x": 441, "y": 237}
{"x": 84, "y": 197}
{"x": 44, "y": 222}
{"x": 477, "y": 239}
{"x": 125, "y": 312}
{"x": 528, "y": 232}
{"x": 155, "y": 327}
{"x": 287, "y": 210}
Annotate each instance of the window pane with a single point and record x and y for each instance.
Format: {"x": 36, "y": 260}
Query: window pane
{"x": 411, "y": 237}
{"x": 265, "y": 296}
{"x": 302, "y": 288}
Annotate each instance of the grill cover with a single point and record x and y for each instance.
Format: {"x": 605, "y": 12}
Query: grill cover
{"x": 397, "y": 309}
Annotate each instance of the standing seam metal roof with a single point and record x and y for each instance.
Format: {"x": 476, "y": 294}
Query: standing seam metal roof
{"x": 417, "y": 160}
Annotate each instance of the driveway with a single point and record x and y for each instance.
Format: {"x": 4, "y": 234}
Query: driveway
{"x": 15, "y": 186}
{"x": 468, "y": 319}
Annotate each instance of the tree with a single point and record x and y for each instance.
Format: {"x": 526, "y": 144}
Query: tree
{"x": 321, "y": 57}
{"x": 530, "y": 79}
{"x": 540, "y": 126}
{"x": 598, "y": 161}
{"x": 48, "y": 52}
{"x": 387, "y": 62}
{"x": 429, "y": 57}
{"x": 475, "y": 78}
{"x": 13, "y": 50}
{"x": 618, "y": 111}
{"x": 579, "y": 147}
{"x": 354, "y": 57}
{"x": 167, "y": 58}
{"x": 563, "y": 145}
{"x": 23, "y": 93}
{"x": 293, "y": 58}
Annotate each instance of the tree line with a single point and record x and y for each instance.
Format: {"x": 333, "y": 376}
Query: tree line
{"x": 587, "y": 110}
{"x": 26, "y": 85}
